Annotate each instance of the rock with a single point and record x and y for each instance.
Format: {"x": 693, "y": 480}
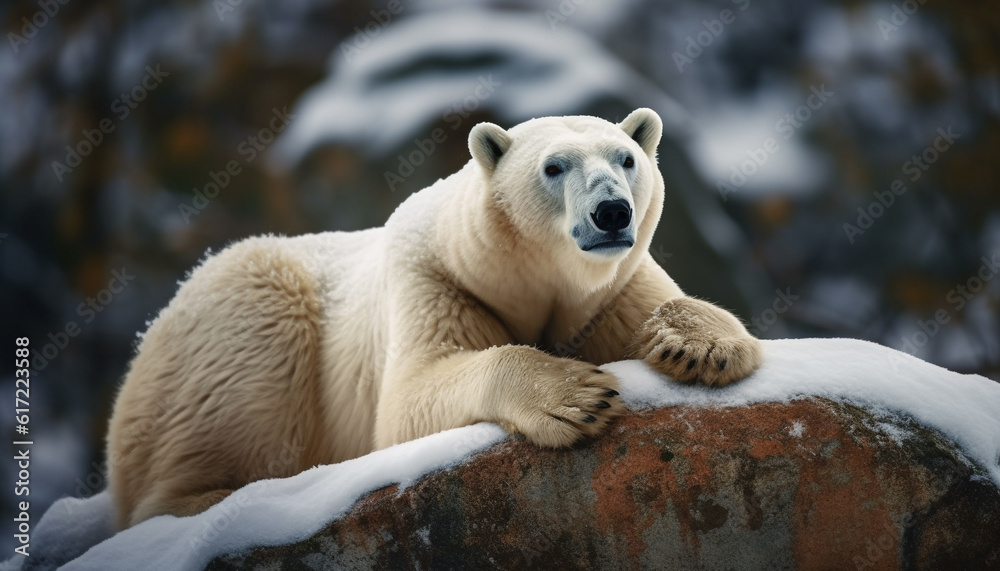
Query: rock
{"x": 808, "y": 484}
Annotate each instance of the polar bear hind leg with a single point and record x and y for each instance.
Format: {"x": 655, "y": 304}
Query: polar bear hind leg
{"x": 224, "y": 389}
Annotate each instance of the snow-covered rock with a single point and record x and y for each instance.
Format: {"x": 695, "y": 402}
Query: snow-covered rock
{"x": 836, "y": 453}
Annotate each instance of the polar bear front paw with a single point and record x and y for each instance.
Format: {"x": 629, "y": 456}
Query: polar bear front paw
{"x": 691, "y": 340}
{"x": 563, "y": 403}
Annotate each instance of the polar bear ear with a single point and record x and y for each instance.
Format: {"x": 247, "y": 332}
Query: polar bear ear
{"x": 644, "y": 127}
{"x": 488, "y": 142}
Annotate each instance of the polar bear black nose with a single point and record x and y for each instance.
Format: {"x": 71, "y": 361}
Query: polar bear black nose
{"x": 612, "y": 215}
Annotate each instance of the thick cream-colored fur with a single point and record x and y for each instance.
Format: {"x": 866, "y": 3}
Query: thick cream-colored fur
{"x": 473, "y": 303}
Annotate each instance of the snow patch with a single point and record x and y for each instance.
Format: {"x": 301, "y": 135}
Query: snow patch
{"x": 964, "y": 408}
{"x": 797, "y": 430}
{"x": 67, "y": 530}
{"x": 268, "y": 512}
{"x": 278, "y": 512}
{"x": 896, "y": 433}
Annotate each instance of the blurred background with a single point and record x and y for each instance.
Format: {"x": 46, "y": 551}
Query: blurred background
{"x": 831, "y": 167}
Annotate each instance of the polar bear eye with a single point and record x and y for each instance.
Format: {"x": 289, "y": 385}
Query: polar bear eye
{"x": 628, "y": 163}
{"x": 553, "y": 170}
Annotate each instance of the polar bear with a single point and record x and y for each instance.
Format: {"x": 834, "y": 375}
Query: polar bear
{"x": 281, "y": 353}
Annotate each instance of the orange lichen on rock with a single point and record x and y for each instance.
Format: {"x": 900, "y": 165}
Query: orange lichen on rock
{"x": 807, "y": 484}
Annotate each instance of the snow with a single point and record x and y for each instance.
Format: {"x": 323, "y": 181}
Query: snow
{"x": 536, "y": 71}
{"x": 797, "y": 429}
{"x": 68, "y": 529}
{"x": 268, "y": 512}
{"x": 725, "y": 139}
{"x": 895, "y": 433}
{"x": 964, "y": 408}
{"x": 425, "y": 534}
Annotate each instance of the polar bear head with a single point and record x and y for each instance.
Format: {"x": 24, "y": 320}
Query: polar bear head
{"x": 576, "y": 186}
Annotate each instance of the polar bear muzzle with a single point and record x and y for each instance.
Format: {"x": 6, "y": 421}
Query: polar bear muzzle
{"x": 612, "y": 215}
{"x": 606, "y": 226}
